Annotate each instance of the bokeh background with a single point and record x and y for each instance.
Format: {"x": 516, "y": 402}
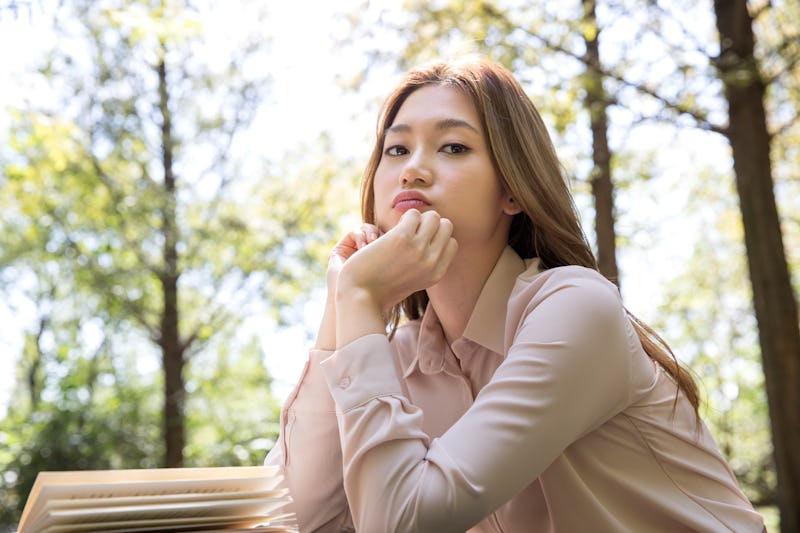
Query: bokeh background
{"x": 174, "y": 172}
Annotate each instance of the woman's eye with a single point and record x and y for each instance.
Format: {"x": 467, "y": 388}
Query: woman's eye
{"x": 454, "y": 148}
{"x": 395, "y": 150}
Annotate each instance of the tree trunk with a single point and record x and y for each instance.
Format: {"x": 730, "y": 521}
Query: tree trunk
{"x": 171, "y": 347}
{"x": 773, "y": 296}
{"x": 596, "y": 103}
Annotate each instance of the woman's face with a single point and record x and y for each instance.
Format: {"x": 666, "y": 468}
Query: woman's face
{"x": 435, "y": 157}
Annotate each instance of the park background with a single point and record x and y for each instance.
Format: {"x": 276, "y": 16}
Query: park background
{"x": 173, "y": 174}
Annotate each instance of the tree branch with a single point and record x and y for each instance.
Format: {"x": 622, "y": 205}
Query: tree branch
{"x": 700, "y": 118}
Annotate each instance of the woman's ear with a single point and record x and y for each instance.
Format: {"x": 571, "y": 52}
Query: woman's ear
{"x": 510, "y": 206}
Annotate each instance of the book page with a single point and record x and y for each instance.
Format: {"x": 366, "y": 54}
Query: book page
{"x": 148, "y": 499}
{"x": 177, "y": 524}
{"x": 80, "y": 497}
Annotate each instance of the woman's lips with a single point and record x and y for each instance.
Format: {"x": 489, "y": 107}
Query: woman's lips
{"x": 405, "y": 205}
{"x": 410, "y": 200}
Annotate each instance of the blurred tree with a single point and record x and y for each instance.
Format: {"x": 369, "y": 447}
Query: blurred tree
{"x": 79, "y": 402}
{"x": 596, "y": 102}
{"x": 139, "y": 230}
{"x": 713, "y": 327}
{"x": 773, "y": 295}
{"x": 129, "y": 185}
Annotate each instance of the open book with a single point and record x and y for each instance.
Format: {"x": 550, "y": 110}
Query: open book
{"x": 158, "y": 499}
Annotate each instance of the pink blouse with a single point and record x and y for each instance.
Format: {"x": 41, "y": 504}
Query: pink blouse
{"x": 546, "y": 415}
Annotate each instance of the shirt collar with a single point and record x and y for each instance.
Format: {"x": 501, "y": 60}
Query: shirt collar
{"x": 486, "y": 325}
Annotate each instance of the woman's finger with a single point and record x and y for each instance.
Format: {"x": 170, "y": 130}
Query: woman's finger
{"x": 444, "y": 232}
{"x": 408, "y": 223}
{"x": 371, "y": 232}
{"x": 359, "y": 238}
{"x": 428, "y": 227}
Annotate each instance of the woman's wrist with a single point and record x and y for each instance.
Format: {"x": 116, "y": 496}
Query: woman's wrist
{"x": 359, "y": 315}
{"x": 326, "y": 335}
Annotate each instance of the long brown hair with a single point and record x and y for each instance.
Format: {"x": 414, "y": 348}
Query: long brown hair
{"x": 524, "y": 157}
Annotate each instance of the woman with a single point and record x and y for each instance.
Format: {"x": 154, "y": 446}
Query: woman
{"x": 517, "y": 394}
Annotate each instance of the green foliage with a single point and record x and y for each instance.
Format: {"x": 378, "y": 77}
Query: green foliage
{"x": 232, "y": 417}
{"x": 82, "y": 244}
{"x": 87, "y": 411}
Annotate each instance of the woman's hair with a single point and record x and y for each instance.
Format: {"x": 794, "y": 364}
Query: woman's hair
{"x": 548, "y": 227}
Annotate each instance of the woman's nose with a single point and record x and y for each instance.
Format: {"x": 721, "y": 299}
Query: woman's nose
{"x": 416, "y": 171}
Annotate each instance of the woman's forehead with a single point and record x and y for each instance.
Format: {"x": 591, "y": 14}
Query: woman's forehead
{"x": 436, "y": 104}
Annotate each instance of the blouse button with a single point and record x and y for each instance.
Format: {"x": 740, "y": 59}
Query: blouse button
{"x": 345, "y": 382}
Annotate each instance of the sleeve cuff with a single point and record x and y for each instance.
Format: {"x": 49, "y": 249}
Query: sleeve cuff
{"x": 315, "y": 396}
{"x": 361, "y": 371}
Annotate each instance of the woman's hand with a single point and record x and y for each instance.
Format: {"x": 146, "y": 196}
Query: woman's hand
{"x": 347, "y": 246}
{"x": 412, "y": 256}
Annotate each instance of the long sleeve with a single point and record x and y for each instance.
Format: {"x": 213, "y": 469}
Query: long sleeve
{"x": 309, "y": 454}
{"x": 567, "y": 370}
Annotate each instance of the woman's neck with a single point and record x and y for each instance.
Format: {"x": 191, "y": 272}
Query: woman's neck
{"x": 455, "y": 295}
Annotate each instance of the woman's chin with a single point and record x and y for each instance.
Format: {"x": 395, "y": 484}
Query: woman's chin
{"x": 386, "y": 223}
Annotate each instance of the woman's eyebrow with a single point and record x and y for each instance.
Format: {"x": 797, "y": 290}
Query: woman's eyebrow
{"x": 450, "y": 123}
{"x": 444, "y": 124}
